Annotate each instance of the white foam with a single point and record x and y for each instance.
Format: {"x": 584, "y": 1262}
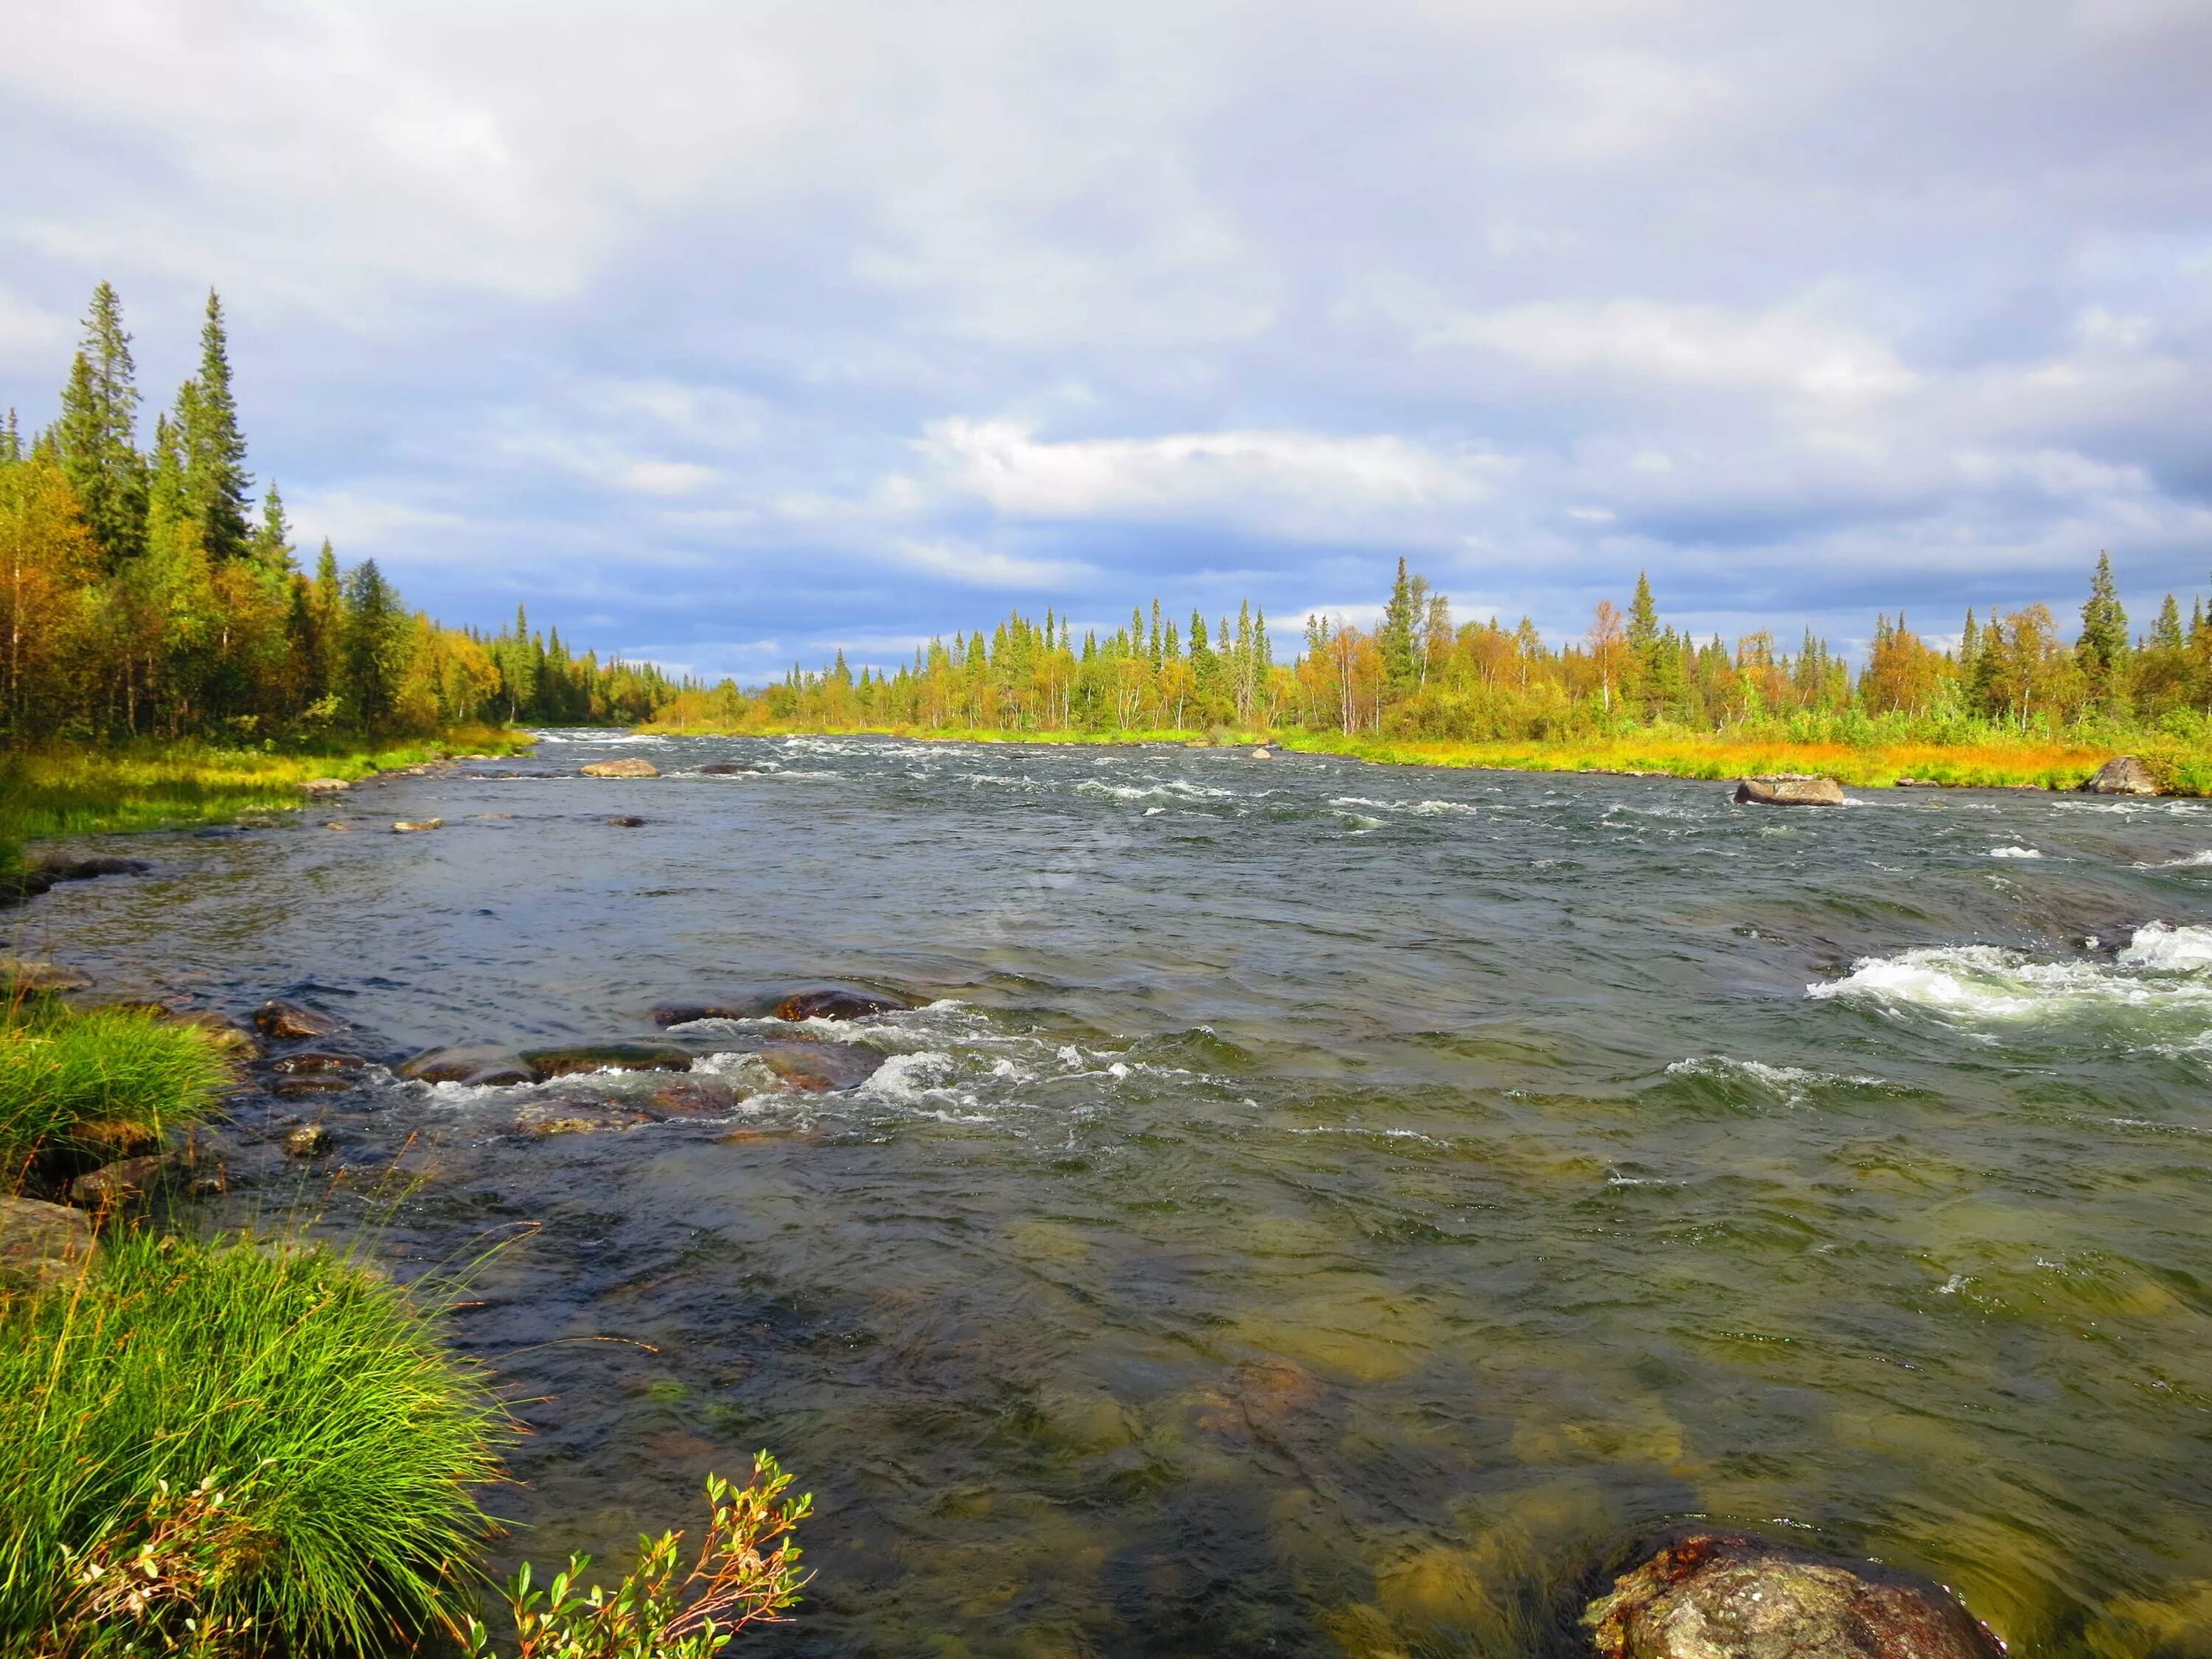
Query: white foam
{"x": 1790, "y": 1082}
{"x": 2190, "y": 861}
{"x": 2166, "y": 949}
{"x": 2013, "y": 853}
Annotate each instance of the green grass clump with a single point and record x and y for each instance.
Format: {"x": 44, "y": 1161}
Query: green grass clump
{"x": 235, "y": 1447}
{"x": 91, "y": 1081}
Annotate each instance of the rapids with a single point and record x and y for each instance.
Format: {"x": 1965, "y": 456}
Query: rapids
{"x": 1312, "y": 1207}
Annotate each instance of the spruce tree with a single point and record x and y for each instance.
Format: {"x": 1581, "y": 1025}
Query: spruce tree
{"x": 271, "y": 546}
{"x": 374, "y": 646}
{"x": 97, "y": 434}
{"x": 2102, "y": 646}
{"x": 2165, "y": 632}
{"x": 216, "y": 483}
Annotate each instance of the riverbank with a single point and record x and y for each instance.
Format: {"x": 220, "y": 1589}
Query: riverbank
{"x": 2026, "y": 763}
{"x": 52, "y": 791}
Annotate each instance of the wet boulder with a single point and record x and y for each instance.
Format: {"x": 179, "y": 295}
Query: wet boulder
{"x": 606, "y": 1057}
{"x": 631, "y": 768}
{"x": 1788, "y": 789}
{"x": 40, "y": 1243}
{"x": 821, "y": 1069}
{"x": 576, "y": 1114}
{"x": 837, "y": 1002}
{"x": 290, "y": 1022}
{"x": 297, "y": 1088}
{"x": 1715, "y": 1596}
{"x": 325, "y": 787}
{"x": 314, "y": 1062}
{"x": 417, "y": 826}
{"x": 626, "y": 822}
{"x": 132, "y": 1180}
{"x": 221, "y": 1030}
{"x": 720, "y": 768}
{"x": 309, "y": 1140}
{"x": 481, "y": 1065}
{"x": 683, "y": 1013}
{"x": 2123, "y": 775}
{"x": 87, "y": 869}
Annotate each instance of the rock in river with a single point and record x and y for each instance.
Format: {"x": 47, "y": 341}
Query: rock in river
{"x": 607, "y": 1057}
{"x": 19, "y": 977}
{"x": 1789, "y": 789}
{"x": 41, "y": 1244}
{"x": 309, "y": 1140}
{"x": 575, "y": 1115}
{"x": 2123, "y": 775}
{"x": 417, "y": 826}
{"x": 482, "y": 1065}
{"x": 621, "y": 768}
{"x": 720, "y": 770}
{"x": 822, "y": 1068}
{"x": 279, "y": 1018}
{"x": 131, "y": 1181}
{"x": 837, "y": 1003}
{"x": 691, "y": 1097}
{"x": 1715, "y": 1596}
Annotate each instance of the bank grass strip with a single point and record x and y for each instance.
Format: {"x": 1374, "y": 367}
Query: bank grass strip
{"x": 98, "y": 1081}
{"x": 236, "y": 1446}
{"x": 56, "y": 790}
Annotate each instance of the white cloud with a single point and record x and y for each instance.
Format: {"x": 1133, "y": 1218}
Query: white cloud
{"x": 980, "y": 566}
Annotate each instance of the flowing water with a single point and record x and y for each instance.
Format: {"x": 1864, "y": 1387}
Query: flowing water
{"x": 1314, "y": 1207}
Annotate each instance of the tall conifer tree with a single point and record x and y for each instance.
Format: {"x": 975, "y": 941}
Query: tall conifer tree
{"x": 97, "y": 434}
{"x": 216, "y": 483}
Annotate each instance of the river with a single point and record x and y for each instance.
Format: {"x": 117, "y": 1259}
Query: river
{"x": 1313, "y": 1207}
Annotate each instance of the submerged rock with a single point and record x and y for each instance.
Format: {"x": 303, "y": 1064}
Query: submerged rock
{"x": 576, "y": 1114}
{"x": 2123, "y": 775}
{"x": 1789, "y": 789}
{"x": 23, "y": 978}
{"x": 295, "y": 1088}
{"x": 606, "y": 1057}
{"x": 1715, "y": 1596}
{"x": 626, "y": 822}
{"x": 837, "y": 1003}
{"x": 41, "y": 1244}
{"x": 417, "y": 826}
{"x": 309, "y": 1062}
{"x": 87, "y": 869}
{"x": 221, "y": 1030}
{"x": 482, "y": 1064}
{"x": 692, "y": 1096}
{"x": 288, "y": 1020}
{"x": 620, "y": 769}
{"x": 720, "y": 768}
{"x": 309, "y": 1140}
{"x": 822, "y": 1068}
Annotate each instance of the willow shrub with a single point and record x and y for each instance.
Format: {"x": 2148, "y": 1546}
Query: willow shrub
{"x": 92, "y": 1080}
{"x": 235, "y": 1447}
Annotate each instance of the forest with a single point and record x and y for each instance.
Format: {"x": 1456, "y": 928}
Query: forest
{"x": 148, "y": 592}
{"x": 1419, "y": 673}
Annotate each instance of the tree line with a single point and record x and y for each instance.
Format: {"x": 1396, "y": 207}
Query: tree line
{"x": 148, "y": 592}
{"x": 1419, "y": 672}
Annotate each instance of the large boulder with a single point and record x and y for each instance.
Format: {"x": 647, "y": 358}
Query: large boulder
{"x": 1788, "y": 789}
{"x": 132, "y": 1180}
{"x": 41, "y": 1244}
{"x": 2123, "y": 775}
{"x": 482, "y": 1065}
{"x": 631, "y": 768}
{"x": 1715, "y": 1596}
{"x": 821, "y": 1069}
{"x": 720, "y": 768}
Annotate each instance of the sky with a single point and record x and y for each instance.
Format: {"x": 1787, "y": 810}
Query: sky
{"x": 731, "y": 335}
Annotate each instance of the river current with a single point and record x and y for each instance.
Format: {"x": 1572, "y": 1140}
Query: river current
{"x": 1313, "y": 1207}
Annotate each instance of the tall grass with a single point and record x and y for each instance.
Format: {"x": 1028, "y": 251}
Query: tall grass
{"x": 265, "y": 1440}
{"x": 65, "y": 790}
{"x": 88, "y": 1081}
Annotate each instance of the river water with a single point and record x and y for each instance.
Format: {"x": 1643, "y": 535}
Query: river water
{"x": 1314, "y": 1207}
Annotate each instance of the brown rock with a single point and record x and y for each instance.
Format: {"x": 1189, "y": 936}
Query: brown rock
{"x": 2123, "y": 775}
{"x": 620, "y": 769}
{"x": 822, "y": 1068}
{"x": 719, "y": 769}
{"x": 1788, "y": 789}
{"x": 339, "y": 824}
{"x": 289, "y": 1021}
{"x": 40, "y": 1243}
{"x": 627, "y": 823}
{"x": 296, "y": 1088}
{"x": 683, "y": 1013}
{"x": 1720, "y": 1597}
{"x": 309, "y": 1140}
{"x": 575, "y": 1115}
{"x": 417, "y": 826}
{"x": 221, "y": 1030}
{"x": 132, "y": 1181}
{"x": 325, "y": 786}
{"x": 481, "y": 1063}
{"x": 837, "y": 1003}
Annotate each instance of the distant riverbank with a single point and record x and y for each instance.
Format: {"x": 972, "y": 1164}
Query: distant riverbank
{"x": 2031, "y": 763}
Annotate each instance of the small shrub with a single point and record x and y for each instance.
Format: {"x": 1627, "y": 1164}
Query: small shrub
{"x": 86, "y": 1081}
{"x": 746, "y": 1573}
{"x": 234, "y": 1448}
